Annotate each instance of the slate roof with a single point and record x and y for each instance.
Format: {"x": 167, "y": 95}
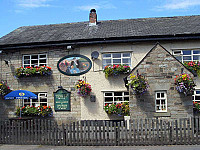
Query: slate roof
{"x": 142, "y": 27}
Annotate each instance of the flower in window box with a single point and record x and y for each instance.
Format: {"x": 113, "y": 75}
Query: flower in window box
{"x": 184, "y": 84}
{"x": 193, "y": 66}
{"x": 121, "y": 109}
{"x": 116, "y": 70}
{"x": 4, "y": 88}
{"x": 196, "y": 107}
{"x": 42, "y": 111}
{"x": 138, "y": 84}
{"x": 32, "y": 71}
{"x": 83, "y": 88}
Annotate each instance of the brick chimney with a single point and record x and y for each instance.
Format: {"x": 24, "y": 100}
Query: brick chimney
{"x": 93, "y": 17}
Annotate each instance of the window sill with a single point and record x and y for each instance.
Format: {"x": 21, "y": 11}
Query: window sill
{"x": 162, "y": 114}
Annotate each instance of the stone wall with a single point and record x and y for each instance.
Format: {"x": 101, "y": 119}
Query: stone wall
{"x": 160, "y": 68}
{"x": 47, "y": 84}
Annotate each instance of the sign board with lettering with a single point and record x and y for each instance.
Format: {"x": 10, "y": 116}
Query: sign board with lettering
{"x": 62, "y": 100}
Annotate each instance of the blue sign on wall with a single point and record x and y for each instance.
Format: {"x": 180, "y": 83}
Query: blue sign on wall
{"x": 74, "y": 65}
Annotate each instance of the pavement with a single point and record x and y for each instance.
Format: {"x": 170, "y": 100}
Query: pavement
{"x": 45, "y": 147}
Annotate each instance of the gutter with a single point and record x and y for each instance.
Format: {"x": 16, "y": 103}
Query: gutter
{"x": 100, "y": 41}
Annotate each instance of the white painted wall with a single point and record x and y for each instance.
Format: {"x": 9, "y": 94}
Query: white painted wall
{"x": 96, "y": 77}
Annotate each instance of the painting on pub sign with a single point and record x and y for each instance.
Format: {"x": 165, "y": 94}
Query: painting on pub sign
{"x": 74, "y": 65}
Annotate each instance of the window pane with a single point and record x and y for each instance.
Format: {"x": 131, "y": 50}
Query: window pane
{"x": 117, "y": 55}
{"x": 27, "y": 62}
{"x": 42, "y": 61}
{"x": 126, "y": 54}
{"x": 34, "y": 100}
{"x": 158, "y": 95}
{"x": 196, "y": 52}
{"x": 42, "y": 56}
{"x": 107, "y": 61}
{"x": 162, "y": 101}
{"x": 187, "y": 58}
{"x": 197, "y": 92}
{"x": 43, "y": 100}
{"x": 188, "y": 52}
{"x": 34, "y": 61}
{"x": 196, "y": 58}
{"x": 34, "y": 56}
{"x": 197, "y": 97}
{"x": 162, "y": 95}
{"x": 157, "y": 102}
{"x": 108, "y": 94}
{"x": 179, "y": 58}
{"x": 26, "y": 57}
{"x": 126, "y": 98}
{"x": 126, "y": 61}
{"x": 116, "y": 61}
{"x": 126, "y": 93}
{"x": 117, "y": 93}
{"x": 106, "y": 55}
{"x": 118, "y": 99}
{"x": 108, "y": 99}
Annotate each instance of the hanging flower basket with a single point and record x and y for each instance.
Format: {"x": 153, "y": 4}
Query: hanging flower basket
{"x": 4, "y": 88}
{"x": 33, "y": 71}
{"x": 43, "y": 111}
{"x": 184, "y": 84}
{"x": 138, "y": 84}
{"x": 193, "y": 67}
{"x": 114, "y": 70}
{"x": 83, "y": 88}
{"x": 121, "y": 109}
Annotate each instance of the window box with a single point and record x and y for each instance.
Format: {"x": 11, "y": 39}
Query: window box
{"x": 114, "y": 70}
{"x": 120, "y": 109}
{"x": 33, "y": 71}
{"x": 116, "y": 103}
{"x": 43, "y": 111}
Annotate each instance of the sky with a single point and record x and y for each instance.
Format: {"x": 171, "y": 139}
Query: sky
{"x": 17, "y": 13}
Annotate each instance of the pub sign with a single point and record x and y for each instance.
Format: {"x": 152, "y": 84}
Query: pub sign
{"x": 74, "y": 65}
{"x": 62, "y": 100}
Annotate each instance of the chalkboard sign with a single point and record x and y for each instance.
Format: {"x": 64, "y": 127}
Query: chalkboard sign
{"x": 62, "y": 100}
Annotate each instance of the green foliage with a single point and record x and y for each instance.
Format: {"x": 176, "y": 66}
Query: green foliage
{"x": 138, "y": 83}
{"x": 4, "y": 88}
{"x": 116, "y": 70}
{"x": 193, "y": 66}
{"x": 184, "y": 84}
{"x": 31, "y": 71}
{"x": 35, "y": 111}
{"x": 118, "y": 109}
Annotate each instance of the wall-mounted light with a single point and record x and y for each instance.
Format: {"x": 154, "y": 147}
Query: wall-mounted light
{"x": 1, "y": 51}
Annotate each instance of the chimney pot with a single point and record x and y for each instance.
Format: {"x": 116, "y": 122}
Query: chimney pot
{"x": 92, "y": 17}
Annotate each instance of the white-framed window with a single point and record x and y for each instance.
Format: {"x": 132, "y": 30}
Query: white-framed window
{"x": 116, "y": 58}
{"x": 34, "y": 60}
{"x": 41, "y": 101}
{"x": 187, "y": 55}
{"x": 115, "y": 97}
{"x": 161, "y": 101}
{"x": 196, "y": 96}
